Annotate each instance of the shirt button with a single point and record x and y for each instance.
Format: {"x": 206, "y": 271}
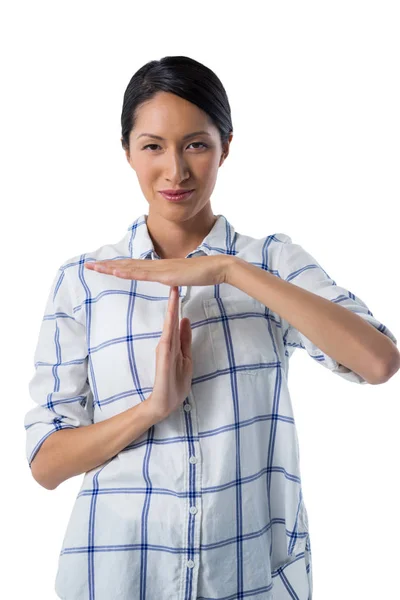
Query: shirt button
{"x": 187, "y": 407}
{"x": 193, "y": 460}
{"x": 193, "y": 510}
{"x": 190, "y": 564}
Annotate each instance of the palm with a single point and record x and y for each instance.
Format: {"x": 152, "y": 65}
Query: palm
{"x": 174, "y": 367}
{"x": 179, "y": 380}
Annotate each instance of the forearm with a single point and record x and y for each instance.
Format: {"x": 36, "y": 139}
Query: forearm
{"x": 337, "y": 331}
{"x": 69, "y": 452}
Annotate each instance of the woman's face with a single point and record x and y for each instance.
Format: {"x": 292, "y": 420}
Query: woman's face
{"x": 175, "y": 162}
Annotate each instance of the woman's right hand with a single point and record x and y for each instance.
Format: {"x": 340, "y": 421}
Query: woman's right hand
{"x": 174, "y": 367}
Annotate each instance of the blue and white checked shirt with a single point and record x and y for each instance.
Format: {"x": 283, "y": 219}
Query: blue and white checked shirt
{"x": 206, "y": 504}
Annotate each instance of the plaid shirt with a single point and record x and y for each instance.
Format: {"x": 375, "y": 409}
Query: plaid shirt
{"x": 208, "y": 503}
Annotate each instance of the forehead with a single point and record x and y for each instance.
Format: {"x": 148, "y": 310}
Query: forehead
{"x": 169, "y": 113}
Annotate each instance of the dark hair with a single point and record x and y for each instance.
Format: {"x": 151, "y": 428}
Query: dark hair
{"x": 184, "y": 77}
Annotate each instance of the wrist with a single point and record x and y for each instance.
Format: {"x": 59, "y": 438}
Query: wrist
{"x": 232, "y": 269}
{"x": 149, "y": 407}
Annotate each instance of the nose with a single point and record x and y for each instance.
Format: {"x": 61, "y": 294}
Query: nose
{"x": 176, "y": 169}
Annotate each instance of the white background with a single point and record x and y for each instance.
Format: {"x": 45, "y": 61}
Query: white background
{"x": 314, "y": 93}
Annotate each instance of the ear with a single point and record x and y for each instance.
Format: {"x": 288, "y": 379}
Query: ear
{"x": 127, "y": 156}
{"x": 125, "y": 150}
{"x": 225, "y": 148}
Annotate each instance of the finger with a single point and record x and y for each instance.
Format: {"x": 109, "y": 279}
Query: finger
{"x": 168, "y": 328}
{"x": 186, "y": 337}
{"x": 175, "y": 338}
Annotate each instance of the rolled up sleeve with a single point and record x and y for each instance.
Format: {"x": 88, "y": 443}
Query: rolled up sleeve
{"x": 60, "y": 386}
{"x": 299, "y": 267}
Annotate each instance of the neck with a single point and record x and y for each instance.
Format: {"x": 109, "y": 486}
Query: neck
{"x": 176, "y": 239}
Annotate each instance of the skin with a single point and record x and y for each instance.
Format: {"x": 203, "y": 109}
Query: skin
{"x": 176, "y": 228}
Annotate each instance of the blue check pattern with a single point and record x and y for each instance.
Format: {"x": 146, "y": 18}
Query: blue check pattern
{"x": 207, "y": 504}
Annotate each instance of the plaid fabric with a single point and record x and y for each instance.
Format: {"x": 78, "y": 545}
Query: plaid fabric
{"x": 208, "y": 503}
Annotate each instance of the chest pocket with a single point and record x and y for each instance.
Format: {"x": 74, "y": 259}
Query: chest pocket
{"x": 242, "y": 335}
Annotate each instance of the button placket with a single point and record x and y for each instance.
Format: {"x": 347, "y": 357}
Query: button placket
{"x": 193, "y": 510}
{"x": 196, "y": 485}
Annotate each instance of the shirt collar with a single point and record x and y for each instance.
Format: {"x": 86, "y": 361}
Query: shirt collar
{"x": 219, "y": 240}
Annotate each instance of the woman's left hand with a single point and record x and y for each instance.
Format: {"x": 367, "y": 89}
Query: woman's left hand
{"x": 200, "y": 270}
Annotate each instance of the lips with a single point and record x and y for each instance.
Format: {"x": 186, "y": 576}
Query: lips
{"x": 177, "y": 191}
{"x": 176, "y": 197}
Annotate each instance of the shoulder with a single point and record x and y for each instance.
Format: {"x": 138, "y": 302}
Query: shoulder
{"x": 263, "y": 252}
{"x": 79, "y": 279}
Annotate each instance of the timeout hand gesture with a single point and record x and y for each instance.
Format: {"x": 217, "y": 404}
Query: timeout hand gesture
{"x": 200, "y": 270}
{"x": 174, "y": 366}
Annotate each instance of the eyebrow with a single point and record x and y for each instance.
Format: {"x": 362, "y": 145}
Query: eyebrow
{"x": 185, "y": 137}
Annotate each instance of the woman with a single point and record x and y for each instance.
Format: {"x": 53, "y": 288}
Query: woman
{"x": 184, "y": 427}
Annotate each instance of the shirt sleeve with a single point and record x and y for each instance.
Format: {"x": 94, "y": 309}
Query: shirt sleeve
{"x": 60, "y": 386}
{"x": 299, "y": 267}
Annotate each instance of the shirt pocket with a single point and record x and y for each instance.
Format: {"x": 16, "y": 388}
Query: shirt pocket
{"x": 241, "y": 335}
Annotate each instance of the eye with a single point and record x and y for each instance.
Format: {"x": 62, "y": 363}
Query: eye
{"x": 152, "y": 145}
{"x": 148, "y": 146}
{"x": 201, "y": 143}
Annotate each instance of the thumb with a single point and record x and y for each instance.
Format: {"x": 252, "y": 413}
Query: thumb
{"x": 186, "y": 337}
